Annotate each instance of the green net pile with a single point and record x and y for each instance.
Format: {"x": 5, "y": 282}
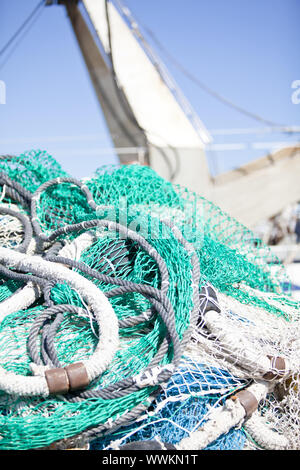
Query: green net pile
{"x": 230, "y": 254}
{"x": 231, "y": 258}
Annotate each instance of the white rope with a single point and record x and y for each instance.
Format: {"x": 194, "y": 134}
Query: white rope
{"x": 21, "y": 300}
{"x": 150, "y": 377}
{"x": 103, "y": 311}
{"x": 221, "y": 420}
{"x": 234, "y": 341}
{"x": 25, "y": 297}
{"x": 264, "y": 436}
{"x": 74, "y": 249}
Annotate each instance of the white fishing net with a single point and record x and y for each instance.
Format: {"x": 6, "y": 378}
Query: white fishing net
{"x": 233, "y": 347}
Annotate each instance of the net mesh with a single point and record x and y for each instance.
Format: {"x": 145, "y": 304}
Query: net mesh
{"x": 181, "y": 408}
{"x": 223, "y": 354}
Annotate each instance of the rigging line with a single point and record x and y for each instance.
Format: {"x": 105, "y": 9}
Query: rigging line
{"x": 25, "y": 31}
{"x": 21, "y": 28}
{"x": 189, "y": 75}
{"x": 206, "y": 88}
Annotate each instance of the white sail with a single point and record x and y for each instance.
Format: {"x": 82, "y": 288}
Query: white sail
{"x": 173, "y": 140}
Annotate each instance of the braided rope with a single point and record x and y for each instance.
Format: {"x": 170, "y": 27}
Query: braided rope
{"x": 222, "y": 419}
{"x": 11, "y": 383}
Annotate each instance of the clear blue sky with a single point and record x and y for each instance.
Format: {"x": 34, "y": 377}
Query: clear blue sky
{"x": 249, "y": 51}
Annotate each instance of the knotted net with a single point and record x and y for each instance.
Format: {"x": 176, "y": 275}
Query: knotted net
{"x": 167, "y": 307}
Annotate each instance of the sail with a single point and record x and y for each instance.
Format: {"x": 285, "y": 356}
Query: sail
{"x": 175, "y": 140}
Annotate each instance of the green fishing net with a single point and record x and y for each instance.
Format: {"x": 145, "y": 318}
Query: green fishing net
{"x": 230, "y": 257}
{"x": 30, "y": 169}
{"x": 230, "y": 254}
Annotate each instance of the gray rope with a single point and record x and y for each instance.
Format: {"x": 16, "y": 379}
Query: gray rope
{"x": 45, "y": 356}
{"x": 37, "y": 324}
{"x": 54, "y": 249}
{"x": 118, "y": 390}
{"x": 25, "y": 194}
{"x": 47, "y": 293}
{"x": 22, "y": 277}
{"x": 27, "y": 228}
{"x": 36, "y": 196}
{"x": 11, "y": 193}
{"x": 49, "y": 348}
{"x": 124, "y": 285}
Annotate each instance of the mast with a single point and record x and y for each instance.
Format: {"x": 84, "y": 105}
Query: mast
{"x": 124, "y": 130}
